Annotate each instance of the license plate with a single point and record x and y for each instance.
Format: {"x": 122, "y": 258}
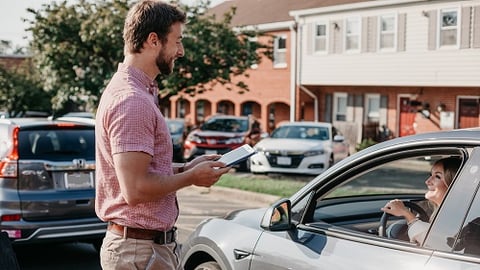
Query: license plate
{"x": 284, "y": 161}
{"x": 78, "y": 180}
{"x": 210, "y": 152}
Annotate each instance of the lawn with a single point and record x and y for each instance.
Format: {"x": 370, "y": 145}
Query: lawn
{"x": 283, "y": 186}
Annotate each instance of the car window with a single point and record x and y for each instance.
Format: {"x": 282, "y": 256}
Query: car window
{"x": 226, "y": 125}
{"x": 302, "y": 132}
{"x": 404, "y": 176}
{"x": 175, "y": 127}
{"x": 455, "y": 230}
{"x": 57, "y": 144}
{"x": 354, "y": 198}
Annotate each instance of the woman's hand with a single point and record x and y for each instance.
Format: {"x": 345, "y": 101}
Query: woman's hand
{"x": 397, "y": 208}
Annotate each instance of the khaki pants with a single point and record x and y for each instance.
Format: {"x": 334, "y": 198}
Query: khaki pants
{"x": 120, "y": 253}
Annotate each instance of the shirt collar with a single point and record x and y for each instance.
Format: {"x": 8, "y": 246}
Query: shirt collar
{"x": 151, "y": 85}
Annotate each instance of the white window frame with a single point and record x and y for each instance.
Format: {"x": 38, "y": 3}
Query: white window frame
{"x": 356, "y": 33}
{"x": 317, "y": 38}
{"x": 279, "y": 51}
{"x": 336, "y": 97}
{"x": 368, "y": 111}
{"x": 394, "y": 32}
{"x": 253, "y": 40}
{"x": 440, "y": 28}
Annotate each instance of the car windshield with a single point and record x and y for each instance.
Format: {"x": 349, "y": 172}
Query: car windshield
{"x": 301, "y": 132}
{"x": 226, "y": 125}
{"x": 175, "y": 127}
{"x": 58, "y": 144}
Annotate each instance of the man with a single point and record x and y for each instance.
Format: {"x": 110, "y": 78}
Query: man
{"x": 135, "y": 178}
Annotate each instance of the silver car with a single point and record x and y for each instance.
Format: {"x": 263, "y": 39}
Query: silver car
{"x": 335, "y": 222}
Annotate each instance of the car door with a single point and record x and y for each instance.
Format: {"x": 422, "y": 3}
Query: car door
{"x": 341, "y": 232}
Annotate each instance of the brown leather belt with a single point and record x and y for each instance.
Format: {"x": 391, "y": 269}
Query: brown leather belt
{"x": 158, "y": 237}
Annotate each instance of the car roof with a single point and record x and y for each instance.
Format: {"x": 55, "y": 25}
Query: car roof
{"x": 31, "y": 122}
{"x": 227, "y": 116}
{"x": 306, "y": 123}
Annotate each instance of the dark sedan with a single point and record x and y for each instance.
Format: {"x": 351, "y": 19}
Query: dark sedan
{"x": 336, "y": 222}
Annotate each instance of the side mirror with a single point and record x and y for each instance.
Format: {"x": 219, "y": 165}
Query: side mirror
{"x": 278, "y": 216}
{"x": 338, "y": 138}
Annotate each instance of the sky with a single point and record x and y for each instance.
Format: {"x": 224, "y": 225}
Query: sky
{"x": 12, "y": 28}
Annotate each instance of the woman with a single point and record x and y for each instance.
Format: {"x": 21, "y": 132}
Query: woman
{"x": 440, "y": 178}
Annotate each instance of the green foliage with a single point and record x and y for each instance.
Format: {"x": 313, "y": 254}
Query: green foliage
{"x": 77, "y": 48}
{"x": 365, "y": 143}
{"x": 19, "y": 92}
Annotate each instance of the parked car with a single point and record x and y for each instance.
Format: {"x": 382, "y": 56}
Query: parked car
{"x": 177, "y": 130}
{"x": 47, "y": 181}
{"x": 221, "y": 134}
{"x": 299, "y": 147}
{"x": 335, "y": 221}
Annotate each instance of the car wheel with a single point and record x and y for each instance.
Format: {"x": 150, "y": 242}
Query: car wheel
{"x": 208, "y": 266}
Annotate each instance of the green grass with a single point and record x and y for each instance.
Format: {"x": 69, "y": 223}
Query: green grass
{"x": 261, "y": 184}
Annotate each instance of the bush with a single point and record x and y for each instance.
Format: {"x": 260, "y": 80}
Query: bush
{"x": 365, "y": 143}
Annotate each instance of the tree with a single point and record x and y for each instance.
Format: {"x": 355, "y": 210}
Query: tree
{"x": 19, "y": 92}
{"x": 77, "y": 48}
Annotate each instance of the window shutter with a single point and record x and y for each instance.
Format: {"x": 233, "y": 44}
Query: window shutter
{"x": 476, "y": 27}
{"x": 364, "y": 35}
{"x": 401, "y": 33}
{"x": 432, "y": 29}
{"x": 465, "y": 28}
{"x": 373, "y": 33}
{"x": 328, "y": 108}
{"x": 383, "y": 110}
{"x": 350, "y": 108}
{"x": 310, "y": 38}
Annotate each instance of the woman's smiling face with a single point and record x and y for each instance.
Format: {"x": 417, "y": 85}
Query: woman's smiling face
{"x": 436, "y": 184}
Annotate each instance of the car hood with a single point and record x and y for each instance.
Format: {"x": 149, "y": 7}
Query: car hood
{"x": 290, "y": 144}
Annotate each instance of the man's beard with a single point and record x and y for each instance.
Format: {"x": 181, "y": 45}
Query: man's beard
{"x": 164, "y": 65}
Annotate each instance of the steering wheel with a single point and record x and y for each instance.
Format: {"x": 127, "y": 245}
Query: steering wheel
{"x": 382, "y": 229}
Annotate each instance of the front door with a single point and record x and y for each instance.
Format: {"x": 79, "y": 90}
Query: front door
{"x": 407, "y": 117}
{"x": 468, "y": 113}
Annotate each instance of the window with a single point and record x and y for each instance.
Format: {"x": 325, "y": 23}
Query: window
{"x": 321, "y": 37}
{"x": 387, "y": 32}
{"x": 340, "y": 107}
{"x": 372, "y": 108}
{"x": 448, "y": 28}
{"x": 280, "y": 52}
{"x": 352, "y": 34}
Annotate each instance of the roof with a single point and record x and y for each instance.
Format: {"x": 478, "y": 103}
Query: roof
{"x": 255, "y": 12}
{"x": 37, "y": 121}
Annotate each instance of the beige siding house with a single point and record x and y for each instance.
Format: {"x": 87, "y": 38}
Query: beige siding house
{"x": 409, "y": 65}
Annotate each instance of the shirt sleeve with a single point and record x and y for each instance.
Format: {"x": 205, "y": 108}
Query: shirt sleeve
{"x": 417, "y": 231}
{"x": 131, "y": 125}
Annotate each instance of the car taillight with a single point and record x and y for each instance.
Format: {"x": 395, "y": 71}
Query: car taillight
{"x": 14, "y": 217}
{"x": 8, "y": 165}
{"x": 8, "y": 168}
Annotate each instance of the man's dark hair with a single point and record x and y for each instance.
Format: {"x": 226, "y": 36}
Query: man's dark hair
{"x": 149, "y": 16}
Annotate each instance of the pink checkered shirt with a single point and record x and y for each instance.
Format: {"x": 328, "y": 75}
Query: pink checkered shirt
{"x": 128, "y": 120}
